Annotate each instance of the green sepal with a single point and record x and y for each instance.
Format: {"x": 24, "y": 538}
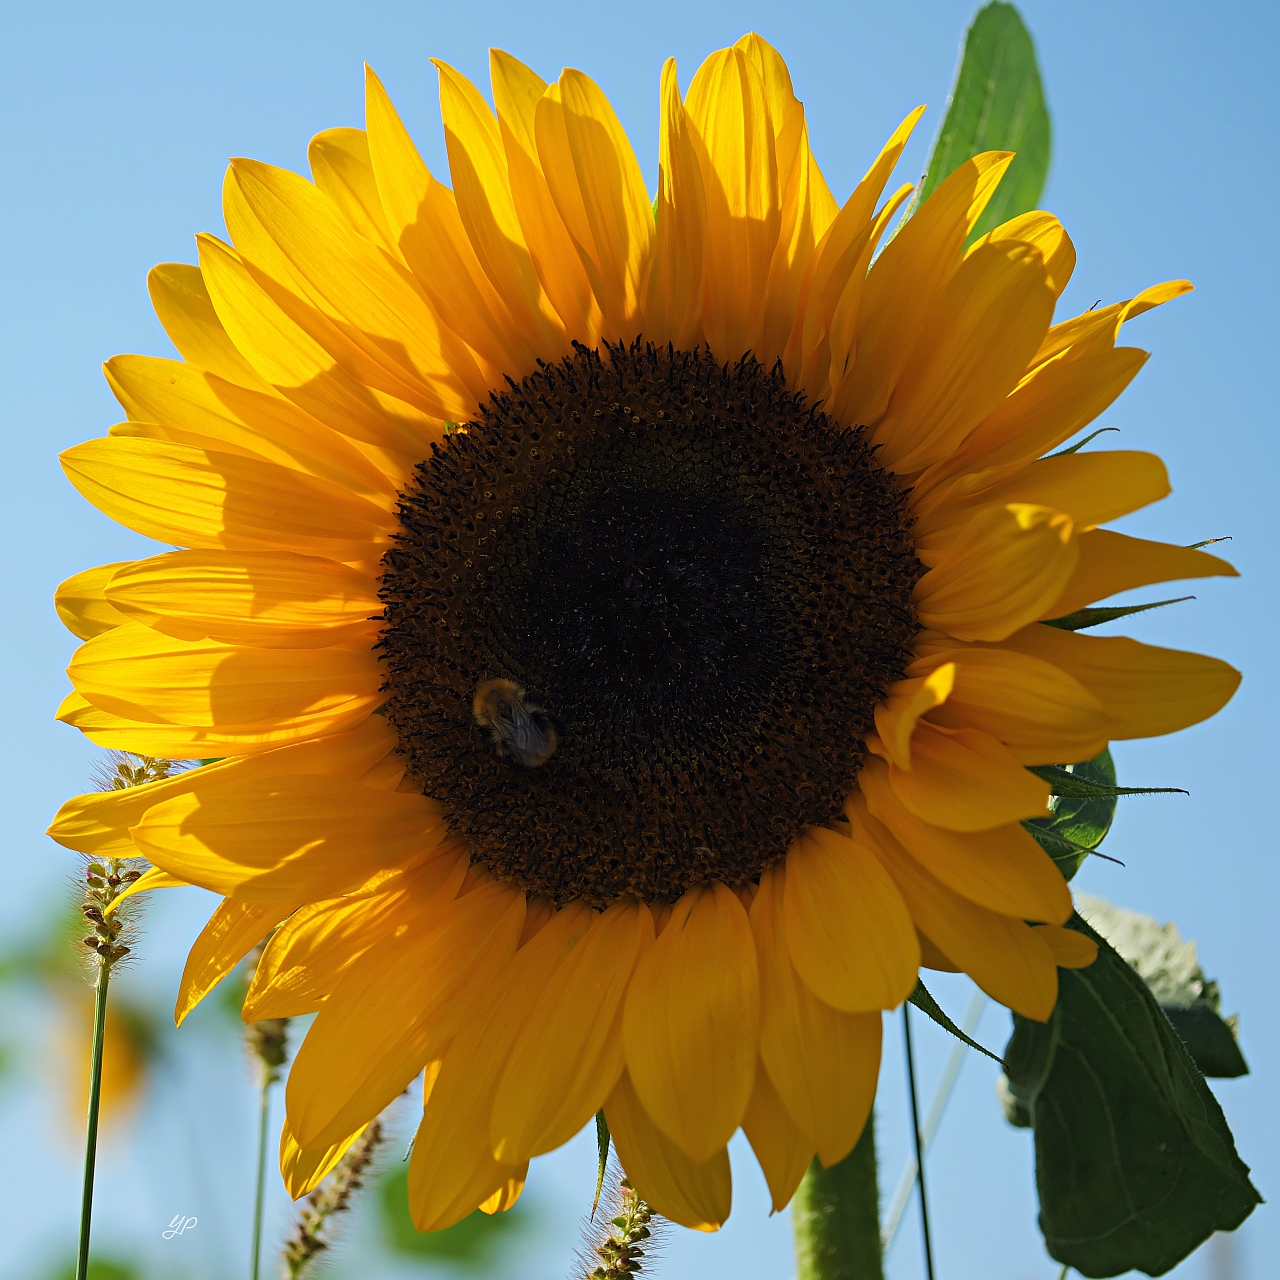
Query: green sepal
{"x": 602, "y": 1150}
{"x": 1135, "y": 1164}
{"x": 1096, "y": 616}
{"x": 997, "y": 104}
{"x": 1078, "y": 823}
{"x": 925, "y": 1002}
{"x": 1208, "y": 542}
{"x": 1080, "y": 444}
{"x": 1063, "y": 782}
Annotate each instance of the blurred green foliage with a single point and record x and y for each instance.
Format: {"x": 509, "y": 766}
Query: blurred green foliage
{"x": 473, "y": 1244}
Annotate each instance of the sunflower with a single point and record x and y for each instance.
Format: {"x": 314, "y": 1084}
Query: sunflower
{"x": 616, "y": 626}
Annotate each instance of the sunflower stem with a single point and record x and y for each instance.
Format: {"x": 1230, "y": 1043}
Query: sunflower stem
{"x": 95, "y": 1097}
{"x": 836, "y": 1217}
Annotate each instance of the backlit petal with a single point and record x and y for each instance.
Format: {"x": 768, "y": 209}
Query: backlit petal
{"x": 848, "y": 931}
{"x": 692, "y": 1022}
{"x": 824, "y": 1064}
{"x": 1003, "y": 869}
{"x": 1002, "y": 569}
{"x": 697, "y": 1196}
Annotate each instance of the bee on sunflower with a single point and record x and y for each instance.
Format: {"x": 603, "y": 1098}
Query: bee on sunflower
{"x": 619, "y": 626}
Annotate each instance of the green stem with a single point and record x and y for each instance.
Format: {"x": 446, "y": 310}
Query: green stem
{"x": 260, "y": 1194}
{"x": 836, "y": 1217}
{"x": 95, "y": 1097}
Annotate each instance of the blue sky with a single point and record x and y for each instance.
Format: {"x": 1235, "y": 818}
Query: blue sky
{"x": 118, "y": 121}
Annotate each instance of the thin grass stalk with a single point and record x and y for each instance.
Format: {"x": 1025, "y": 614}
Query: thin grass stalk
{"x": 91, "y": 1134}
{"x": 915, "y": 1129}
{"x": 260, "y": 1192}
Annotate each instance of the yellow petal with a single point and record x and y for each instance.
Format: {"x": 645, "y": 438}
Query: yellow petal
{"x": 1006, "y": 958}
{"x": 353, "y": 302}
{"x": 966, "y": 780}
{"x": 1002, "y": 569}
{"x": 459, "y": 1171}
{"x": 1111, "y": 562}
{"x": 516, "y": 93}
{"x": 152, "y": 878}
{"x": 1109, "y": 319}
{"x": 1047, "y": 234}
{"x": 823, "y": 1064}
{"x": 1053, "y": 401}
{"x": 848, "y": 932}
{"x": 287, "y": 357}
{"x": 696, "y": 1196}
{"x": 309, "y": 954}
{"x": 291, "y": 838}
{"x": 692, "y": 1022}
{"x": 673, "y": 312}
{"x": 729, "y": 110}
{"x": 269, "y": 600}
{"x": 834, "y": 266}
{"x": 783, "y": 1151}
{"x": 423, "y": 215}
{"x": 904, "y": 704}
{"x": 342, "y": 169}
{"x": 808, "y": 208}
{"x": 169, "y": 742}
{"x": 478, "y": 166}
{"x": 991, "y": 317}
{"x": 396, "y": 1009}
{"x": 184, "y": 307}
{"x": 1002, "y": 869}
{"x": 598, "y": 189}
{"x": 572, "y": 1036}
{"x": 81, "y": 605}
{"x": 200, "y": 498}
{"x": 1090, "y": 487}
{"x": 507, "y": 1194}
{"x": 144, "y": 675}
{"x": 303, "y": 1171}
{"x": 908, "y": 279}
{"x": 1147, "y": 691}
{"x": 233, "y": 930}
{"x": 169, "y": 400}
{"x": 1070, "y": 950}
{"x": 1038, "y": 711}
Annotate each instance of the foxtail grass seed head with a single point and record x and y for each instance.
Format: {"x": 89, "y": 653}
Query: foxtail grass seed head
{"x": 313, "y": 1233}
{"x": 109, "y": 934}
{"x": 268, "y": 1040}
{"x": 623, "y": 1243}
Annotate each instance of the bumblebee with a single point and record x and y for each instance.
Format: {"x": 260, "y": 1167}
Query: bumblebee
{"x": 516, "y": 729}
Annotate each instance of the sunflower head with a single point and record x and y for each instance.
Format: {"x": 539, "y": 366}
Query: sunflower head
{"x": 618, "y": 623}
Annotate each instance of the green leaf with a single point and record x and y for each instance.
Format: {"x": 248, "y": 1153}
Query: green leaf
{"x": 997, "y": 104}
{"x": 602, "y": 1150}
{"x": 1209, "y": 1039}
{"x": 1078, "y": 824}
{"x": 1171, "y": 969}
{"x": 1066, "y": 783}
{"x": 474, "y": 1244}
{"x": 1095, "y": 617}
{"x": 925, "y": 1002}
{"x": 1135, "y": 1165}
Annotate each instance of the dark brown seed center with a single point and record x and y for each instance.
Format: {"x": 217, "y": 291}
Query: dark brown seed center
{"x": 702, "y": 586}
